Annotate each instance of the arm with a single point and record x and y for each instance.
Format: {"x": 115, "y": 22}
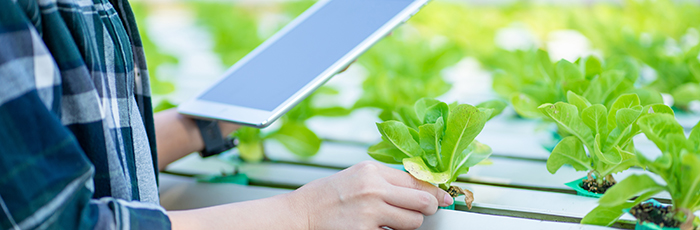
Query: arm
{"x": 366, "y": 196}
{"x": 178, "y": 135}
{"x": 46, "y": 179}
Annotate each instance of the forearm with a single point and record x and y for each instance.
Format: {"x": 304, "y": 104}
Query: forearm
{"x": 365, "y": 196}
{"x": 178, "y": 135}
{"x": 270, "y": 213}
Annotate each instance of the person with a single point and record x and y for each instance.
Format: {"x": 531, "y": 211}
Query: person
{"x": 78, "y": 139}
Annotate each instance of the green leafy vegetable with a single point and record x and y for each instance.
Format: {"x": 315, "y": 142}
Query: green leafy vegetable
{"x": 298, "y": 139}
{"x": 684, "y": 94}
{"x": 441, "y": 145}
{"x": 678, "y": 166}
{"x": 250, "y": 144}
{"x": 293, "y": 133}
{"x": 396, "y": 81}
{"x": 164, "y": 105}
{"x": 605, "y": 133}
{"x": 588, "y": 79}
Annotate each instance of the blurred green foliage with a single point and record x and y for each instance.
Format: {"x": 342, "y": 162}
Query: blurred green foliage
{"x": 154, "y": 56}
{"x": 661, "y": 34}
{"x": 652, "y": 43}
{"x": 539, "y": 81}
{"x": 657, "y": 33}
{"x": 234, "y": 29}
{"x": 237, "y": 31}
{"x": 292, "y": 133}
{"x": 395, "y": 80}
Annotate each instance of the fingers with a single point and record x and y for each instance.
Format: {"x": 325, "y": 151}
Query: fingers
{"x": 403, "y": 179}
{"x": 442, "y": 197}
{"x": 412, "y": 199}
{"x": 398, "y": 218}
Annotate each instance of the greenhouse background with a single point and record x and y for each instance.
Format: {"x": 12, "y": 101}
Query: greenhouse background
{"x": 455, "y": 51}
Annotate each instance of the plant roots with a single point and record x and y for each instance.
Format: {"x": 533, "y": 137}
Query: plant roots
{"x": 662, "y": 216}
{"x": 455, "y": 191}
{"x": 689, "y": 218}
{"x": 609, "y": 178}
{"x": 592, "y": 185}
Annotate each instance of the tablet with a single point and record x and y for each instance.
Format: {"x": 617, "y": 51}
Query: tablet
{"x": 298, "y": 59}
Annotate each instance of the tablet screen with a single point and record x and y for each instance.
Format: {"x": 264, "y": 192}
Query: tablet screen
{"x": 303, "y": 53}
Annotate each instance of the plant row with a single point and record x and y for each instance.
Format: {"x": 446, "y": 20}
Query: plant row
{"x": 598, "y": 103}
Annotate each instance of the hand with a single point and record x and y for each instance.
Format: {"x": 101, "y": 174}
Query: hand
{"x": 177, "y": 135}
{"x": 368, "y": 196}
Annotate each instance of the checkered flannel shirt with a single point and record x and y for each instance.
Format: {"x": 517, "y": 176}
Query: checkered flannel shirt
{"x": 77, "y": 144}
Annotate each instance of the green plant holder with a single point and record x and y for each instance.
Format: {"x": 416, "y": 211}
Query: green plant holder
{"x": 677, "y": 110}
{"x": 648, "y": 225}
{"x": 576, "y": 185}
{"x": 451, "y": 207}
{"x": 651, "y": 226}
{"x": 239, "y": 178}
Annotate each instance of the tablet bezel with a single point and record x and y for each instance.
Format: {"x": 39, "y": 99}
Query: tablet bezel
{"x": 260, "y": 118}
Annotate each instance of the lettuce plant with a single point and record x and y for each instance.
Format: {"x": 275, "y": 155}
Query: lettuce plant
{"x": 292, "y": 133}
{"x": 404, "y": 68}
{"x": 537, "y": 81}
{"x": 689, "y": 91}
{"x": 436, "y": 142}
{"x": 651, "y": 35}
{"x": 678, "y": 166}
{"x": 601, "y": 137}
{"x": 675, "y": 65}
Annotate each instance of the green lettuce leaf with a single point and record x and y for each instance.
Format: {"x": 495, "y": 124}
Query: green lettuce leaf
{"x": 596, "y": 118}
{"x": 436, "y": 111}
{"x": 694, "y": 138}
{"x": 463, "y": 125}
{"x": 421, "y": 108}
{"x": 604, "y": 85}
{"x": 569, "y": 151}
{"x": 298, "y": 139}
{"x": 616, "y": 198}
{"x": 496, "y": 105}
{"x": 526, "y": 106}
{"x": 690, "y": 177}
{"x": 658, "y": 128}
{"x": 580, "y": 102}
{"x": 398, "y": 134}
{"x": 624, "y": 101}
{"x": 417, "y": 167}
{"x": 630, "y": 187}
{"x": 567, "y": 117}
{"x": 473, "y": 155}
{"x": 386, "y": 152}
{"x": 250, "y": 144}
{"x": 430, "y": 137}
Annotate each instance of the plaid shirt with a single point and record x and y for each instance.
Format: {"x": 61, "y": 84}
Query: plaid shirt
{"x": 77, "y": 144}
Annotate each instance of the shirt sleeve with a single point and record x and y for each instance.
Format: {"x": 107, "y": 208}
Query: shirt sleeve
{"x": 46, "y": 180}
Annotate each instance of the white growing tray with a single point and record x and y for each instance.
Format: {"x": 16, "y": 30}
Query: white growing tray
{"x": 509, "y": 201}
{"x": 504, "y": 171}
{"x": 179, "y": 193}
